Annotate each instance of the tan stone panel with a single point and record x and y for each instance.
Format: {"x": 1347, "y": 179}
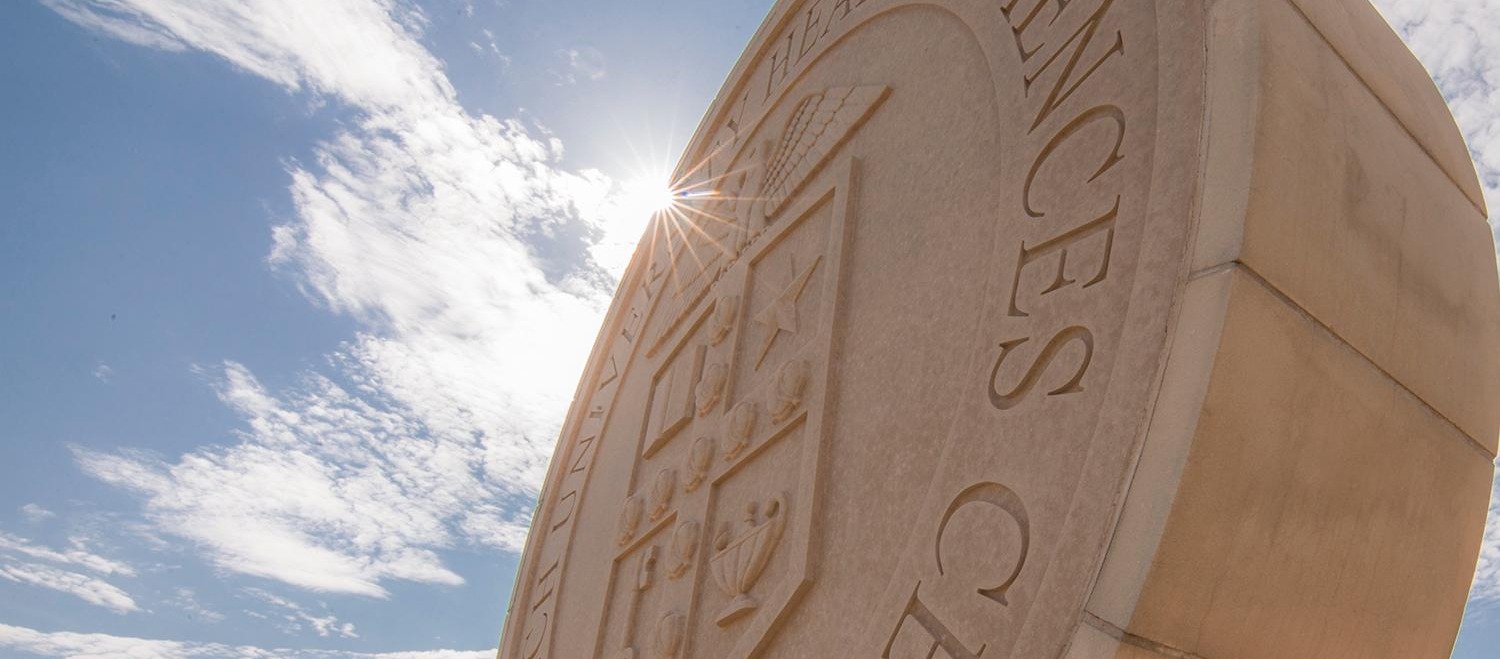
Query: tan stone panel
{"x": 1133, "y": 652}
{"x": 1322, "y": 510}
{"x": 1347, "y": 214}
{"x": 1373, "y": 51}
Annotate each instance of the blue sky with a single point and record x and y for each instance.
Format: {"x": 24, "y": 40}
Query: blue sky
{"x": 294, "y": 295}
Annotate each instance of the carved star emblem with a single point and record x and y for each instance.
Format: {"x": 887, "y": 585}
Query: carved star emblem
{"x": 781, "y": 314}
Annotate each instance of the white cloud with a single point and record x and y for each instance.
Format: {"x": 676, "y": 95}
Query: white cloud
{"x": 479, "y": 268}
{"x": 1487, "y": 575}
{"x": 103, "y": 372}
{"x": 295, "y": 618}
{"x": 78, "y": 555}
{"x": 583, "y": 62}
{"x": 35, "y": 513}
{"x": 187, "y": 600}
{"x": 105, "y": 646}
{"x": 107, "y": 16}
{"x": 89, "y": 589}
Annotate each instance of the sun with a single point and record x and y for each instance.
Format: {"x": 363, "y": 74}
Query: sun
{"x": 648, "y": 194}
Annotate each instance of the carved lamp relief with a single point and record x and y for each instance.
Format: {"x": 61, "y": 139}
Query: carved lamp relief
{"x": 741, "y": 426}
{"x": 630, "y": 518}
{"x": 669, "y": 632}
{"x": 696, "y": 464}
{"x": 786, "y": 393}
{"x": 738, "y": 560}
{"x": 725, "y": 311}
{"x": 662, "y": 488}
{"x": 684, "y": 548}
{"x": 711, "y": 387}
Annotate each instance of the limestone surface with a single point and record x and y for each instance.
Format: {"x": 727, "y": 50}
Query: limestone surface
{"x": 1039, "y": 328}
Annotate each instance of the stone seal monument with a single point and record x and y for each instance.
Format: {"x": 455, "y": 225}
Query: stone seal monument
{"x": 1039, "y": 329}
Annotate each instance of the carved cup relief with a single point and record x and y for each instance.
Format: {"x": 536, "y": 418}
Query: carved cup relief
{"x": 739, "y": 559}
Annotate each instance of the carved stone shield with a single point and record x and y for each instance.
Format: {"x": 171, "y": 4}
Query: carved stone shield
{"x": 878, "y": 387}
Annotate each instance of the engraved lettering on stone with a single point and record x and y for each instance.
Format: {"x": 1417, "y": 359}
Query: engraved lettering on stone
{"x": 585, "y": 453}
{"x": 802, "y": 37}
{"x": 781, "y": 314}
{"x": 538, "y": 626}
{"x": 611, "y": 372}
{"x": 531, "y": 649}
{"x": 699, "y": 457}
{"x": 787, "y": 390}
{"x": 662, "y": 488}
{"x": 669, "y": 635}
{"x": 1104, "y": 224}
{"x": 741, "y": 427}
{"x": 632, "y": 325}
{"x": 684, "y": 547}
{"x": 630, "y": 518}
{"x": 550, "y": 582}
{"x": 711, "y": 387}
{"x": 1112, "y": 158}
{"x": 1018, "y": 393}
{"x": 817, "y": 128}
{"x": 738, "y": 560}
{"x": 1004, "y": 498}
{"x": 1061, "y": 90}
{"x": 571, "y": 499}
{"x": 942, "y": 637}
{"x": 723, "y": 321}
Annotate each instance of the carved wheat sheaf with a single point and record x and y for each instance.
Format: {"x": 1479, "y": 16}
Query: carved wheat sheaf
{"x": 818, "y": 126}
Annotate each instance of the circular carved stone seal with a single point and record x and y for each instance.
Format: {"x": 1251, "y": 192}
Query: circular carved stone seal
{"x": 1039, "y": 328}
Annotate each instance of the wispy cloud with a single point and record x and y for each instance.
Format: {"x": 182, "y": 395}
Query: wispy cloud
{"x": 186, "y": 600}
{"x": 89, "y": 589}
{"x": 106, "y": 646}
{"x": 110, "y": 18}
{"x": 295, "y": 617}
{"x": 78, "y": 555}
{"x": 477, "y": 265}
{"x": 1455, "y": 40}
{"x": 583, "y": 63}
{"x": 35, "y": 513}
{"x": 14, "y": 566}
{"x": 103, "y": 372}
{"x": 491, "y": 47}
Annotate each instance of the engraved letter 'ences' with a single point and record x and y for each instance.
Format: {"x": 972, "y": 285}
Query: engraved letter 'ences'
{"x": 1018, "y": 393}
